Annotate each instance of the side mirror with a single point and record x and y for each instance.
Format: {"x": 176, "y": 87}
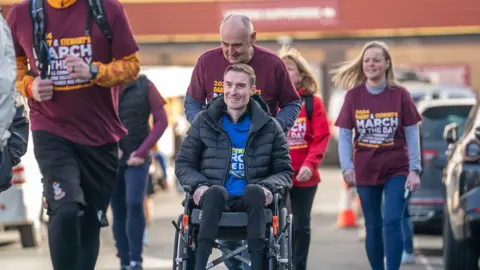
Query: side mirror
{"x": 450, "y": 133}
{"x": 477, "y": 133}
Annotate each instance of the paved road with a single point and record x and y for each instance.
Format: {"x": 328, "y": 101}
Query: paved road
{"x": 331, "y": 248}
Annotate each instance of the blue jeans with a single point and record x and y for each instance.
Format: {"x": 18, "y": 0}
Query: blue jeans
{"x": 407, "y": 229}
{"x": 128, "y": 212}
{"x": 389, "y": 225}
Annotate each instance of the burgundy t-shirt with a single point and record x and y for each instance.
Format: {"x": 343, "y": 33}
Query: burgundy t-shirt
{"x": 380, "y": 144}
{"x": 273, "y": 82}
{"x": 79, "y": 111}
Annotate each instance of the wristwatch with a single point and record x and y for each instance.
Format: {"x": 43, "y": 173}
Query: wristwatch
{"x": 93, "y": 71}
{"x": 417, "y": 172}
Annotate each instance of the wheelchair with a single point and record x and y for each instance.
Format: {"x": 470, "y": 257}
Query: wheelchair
{"x": 233, "y": 225}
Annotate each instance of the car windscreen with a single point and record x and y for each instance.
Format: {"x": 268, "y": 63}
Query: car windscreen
{"x": 435, "y": 119}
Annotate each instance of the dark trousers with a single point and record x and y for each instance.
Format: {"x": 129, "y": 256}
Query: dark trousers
{"x": 78, "y": 181}
{"x": 215, "y": 201}
{"x": 301, "y": 201}
{"x": 387, "y": 227}
{"x": 128, "y": 212}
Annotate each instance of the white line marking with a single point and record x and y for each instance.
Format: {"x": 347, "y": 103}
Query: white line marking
{"x": 424, "y": 260}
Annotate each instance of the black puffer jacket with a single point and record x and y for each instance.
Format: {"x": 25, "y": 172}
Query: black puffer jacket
{"x": 204, "y": 157}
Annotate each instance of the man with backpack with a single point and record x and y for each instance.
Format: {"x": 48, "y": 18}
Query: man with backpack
{"x": 79, "y": 52}
{"x": 13, "y": 125}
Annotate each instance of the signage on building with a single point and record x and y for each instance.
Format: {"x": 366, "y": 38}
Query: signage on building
{"x": 286, "y": 14}
{"x": 449, "y": 74}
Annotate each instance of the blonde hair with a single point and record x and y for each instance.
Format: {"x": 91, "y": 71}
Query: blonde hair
{"x": 308, "y": 82}
{"x": 244, "y": 68}
{"x": 350, "y": 73}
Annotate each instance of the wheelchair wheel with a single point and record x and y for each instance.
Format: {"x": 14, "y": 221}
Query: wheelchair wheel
{"x": 286, "y": 242}
{"x": 176, "y": 248}
{"x": 178, "y": 251}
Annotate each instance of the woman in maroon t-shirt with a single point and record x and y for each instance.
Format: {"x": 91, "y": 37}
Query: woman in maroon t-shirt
{"x": 386, "y": 156}
{"x": 308, "y": 140}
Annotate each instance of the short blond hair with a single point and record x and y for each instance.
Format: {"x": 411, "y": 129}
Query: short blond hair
{"x": 308, "y": 82}
{"x": 244, "y": 68}
{"x": 350, "y": 73}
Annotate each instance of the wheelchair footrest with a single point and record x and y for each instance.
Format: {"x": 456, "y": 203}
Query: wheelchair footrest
{"x": 230, "y": 219}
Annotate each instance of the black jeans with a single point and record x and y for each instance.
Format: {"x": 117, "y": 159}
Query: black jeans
{"x": 301, "y": 201}
{"x": 78, "y": 181}
{"x": 215, "y": 201}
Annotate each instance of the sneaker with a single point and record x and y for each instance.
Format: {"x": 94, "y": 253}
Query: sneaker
{"x": 125, "y": 267}
{"x": 408, "y": 258}
{"x": 135, "y": 266}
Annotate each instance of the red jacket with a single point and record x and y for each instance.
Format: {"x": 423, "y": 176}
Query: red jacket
{"x": 308, "y": 141}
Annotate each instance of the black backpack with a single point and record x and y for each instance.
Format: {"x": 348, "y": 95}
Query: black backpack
{"x": 39, "y": 22}
{"x": 308, "y": 106}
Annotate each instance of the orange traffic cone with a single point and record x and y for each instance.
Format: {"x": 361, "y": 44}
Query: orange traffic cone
{"x": 347, "y": 217}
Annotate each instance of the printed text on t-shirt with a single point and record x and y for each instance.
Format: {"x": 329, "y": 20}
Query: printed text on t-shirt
{"x": 296, "y": 135}
{"x": 237, "y": 166}
{"x": 58, "y": 49}
{"x": 376, "y": 129}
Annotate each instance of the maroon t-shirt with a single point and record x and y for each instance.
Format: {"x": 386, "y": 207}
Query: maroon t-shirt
{"x": 79, "y": 111}
{"x": 273, "y": 82}
{"x": 380, "y": 144}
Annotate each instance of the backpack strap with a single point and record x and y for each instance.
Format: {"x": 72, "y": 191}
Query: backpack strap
{"x": 98, "y": 12}
{"x": 309, "y": 106}
{"x": 37, "y": 13}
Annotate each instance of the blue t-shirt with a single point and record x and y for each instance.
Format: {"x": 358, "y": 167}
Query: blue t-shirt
{"x": 238, "y": 134}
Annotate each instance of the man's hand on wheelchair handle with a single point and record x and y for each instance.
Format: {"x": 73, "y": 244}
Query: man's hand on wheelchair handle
{"x": 268, "y": 196}
{"x": 199, "y": 193}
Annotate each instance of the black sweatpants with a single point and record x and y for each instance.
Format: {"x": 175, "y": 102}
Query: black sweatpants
{"x": 78, "y": 181}
{"x": 301, "y": 201}
{"x": 215, "y": 201}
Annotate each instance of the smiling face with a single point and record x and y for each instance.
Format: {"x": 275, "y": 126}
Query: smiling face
{"x": 236, "y": 43}
{"x": 237, "y": 89}
{"x": 375, "y": 64}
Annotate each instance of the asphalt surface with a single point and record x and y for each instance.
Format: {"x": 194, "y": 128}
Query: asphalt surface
{"x": 331, "y": 247}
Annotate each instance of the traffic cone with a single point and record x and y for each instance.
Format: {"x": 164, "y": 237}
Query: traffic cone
{"x": 347, "y": 217}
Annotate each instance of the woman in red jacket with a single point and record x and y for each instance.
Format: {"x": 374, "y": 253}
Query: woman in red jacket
{"x": 308, "y": 141}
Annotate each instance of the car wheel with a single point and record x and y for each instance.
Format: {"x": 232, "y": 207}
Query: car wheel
{"x": 457, "y": 255}
{"x": 31, "y": 234}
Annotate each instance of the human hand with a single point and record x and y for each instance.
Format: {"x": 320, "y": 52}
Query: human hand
{"x": 77, "y": 68}
{"x": 304, "y": 174}
{"x": 413, "y": 181}
{"x": 135, "y": 161}
{"x": 268, "y": 196}
{"x": 42, "y": 90}
{"x": 349, "y": 177}
{"x": 199, "y": 193}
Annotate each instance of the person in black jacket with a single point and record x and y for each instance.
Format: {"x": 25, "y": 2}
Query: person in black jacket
{"x": 234, "y": 155}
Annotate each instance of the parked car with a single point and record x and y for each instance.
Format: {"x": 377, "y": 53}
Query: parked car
{"x": 21, "y": 206}
{"x": 443, "y": 92}
{"x": 461, "y": 229}
{"x": 426, "y": 205}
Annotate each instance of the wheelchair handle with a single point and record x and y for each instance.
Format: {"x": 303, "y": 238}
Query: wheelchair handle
{"x": 187, "y": 189}
{"x": 277, "y": 190}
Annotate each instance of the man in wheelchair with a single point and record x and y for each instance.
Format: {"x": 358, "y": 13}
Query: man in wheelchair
{"x": 235, "y": 156}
